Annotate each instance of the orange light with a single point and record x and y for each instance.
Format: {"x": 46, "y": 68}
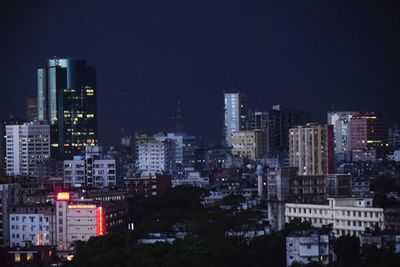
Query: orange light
{"x": 63, "y": 196}
{"x": 82, "y": 206}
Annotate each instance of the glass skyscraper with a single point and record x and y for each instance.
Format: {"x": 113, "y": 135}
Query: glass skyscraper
{"x": 67, "y": 100}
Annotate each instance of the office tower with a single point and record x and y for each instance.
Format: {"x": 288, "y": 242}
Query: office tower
{"x": 26, "y": 144}
{"x": 279, "y": 122}
{"x": 248, "y": 144}
{"x": 10, "y": 121}
{"x": 340, "y": 121}
{"x": 9, "y": 196}
{"x": 235, "y": 115}
{"x": 31, "y": 109}
{"x": 67, "y": 100}
{"x": 93, "y": 170}
{"x": 311, "y": 149}
{"x": 369, "y": 132}
{"x": 259, "y": 121}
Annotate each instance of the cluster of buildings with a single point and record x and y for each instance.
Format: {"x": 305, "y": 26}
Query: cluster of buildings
{"x": 62, "y": 187}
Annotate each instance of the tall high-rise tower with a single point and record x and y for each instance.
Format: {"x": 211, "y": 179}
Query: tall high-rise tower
{"x": 67, "y": 100}
{"x": 235, "y": 115}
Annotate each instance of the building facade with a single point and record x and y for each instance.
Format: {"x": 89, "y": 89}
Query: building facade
{"x": 340, "y": 121}
{"x": 311, "y": 149}
{"x": 32, "y": 223}
{"x": 10, "y": 195}
{"x": 235, "y": 118}
{"x": 26, "y": 144}
{"x": 348, "y": 216}
{"x": 369, "y": 132}
{"x": 67, "y": 101}
{"x": 248, "y": 144}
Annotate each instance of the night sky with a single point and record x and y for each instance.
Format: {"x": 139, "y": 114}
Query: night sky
{"x": 148, "y": 54}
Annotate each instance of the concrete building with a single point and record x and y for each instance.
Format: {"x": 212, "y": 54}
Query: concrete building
{"x": 369, "y": 132}
{"x": 340, "y": 121}
{"x": 31, "y": 109}
{"x": 248, "y": 144}
{"x": 348, "y": 216}
{"x": 148, "y": 184}
{"x": 95, "y": 169}
{"x": 156, "y": 154}
{"x": 67, "y": 101}
{"x": 192, "y": 178}
{"x": 381, "y": 240}
{"x": 77, "y": 220}
{"x": 311, "y": 149}
{"x": 363, "y": 155}
{"x": 35, "y": 224}
{"x": 306, "y": 246}
{"x": 10, "y": 195}
{"x": 235, "y": 117}
{"x": 361, "y": 187}
{"x": 26, "y": 144}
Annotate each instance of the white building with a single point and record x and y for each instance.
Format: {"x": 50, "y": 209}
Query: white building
{"x": 25, "y": 145}
{"x": 93, "y": 170}
{"x": 77, "y": 220}
{"x": 395, "y": 157}
{"x": 235, "y": 115}
{"x": 307, "y": 246}
{"x": 155, "y": 154}
{"x": 32, "y": 223}
{"x": 348, "y": 216}
{"x": 340, "y": 121}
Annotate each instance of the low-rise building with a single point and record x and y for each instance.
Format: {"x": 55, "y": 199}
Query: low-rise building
{"x": 307, "y": 246}
{"x": 34, "y": 223}
{"x": 192, "y": 178}
{"x": 348, "y": 216}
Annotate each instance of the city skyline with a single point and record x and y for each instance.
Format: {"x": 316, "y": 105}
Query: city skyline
{"x": 150, "y": 55}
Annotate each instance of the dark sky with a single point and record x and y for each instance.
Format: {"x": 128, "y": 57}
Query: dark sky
{"x": 148, "y": 54}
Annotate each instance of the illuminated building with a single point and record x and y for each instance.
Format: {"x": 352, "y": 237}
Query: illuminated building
{"x": 77, "y": 219}
{"x": 248, "y": 144}
{"x": 340, "y": 121}
{"x": 369, "y": 132}
{"x": 26, "y": 144}
{"x": 311, "y": 149}
{"x": 155, "y": 154}
{"x": 235, "y": 115}
{"x": 32, "y": 223}
{"x": 67, "y": 100}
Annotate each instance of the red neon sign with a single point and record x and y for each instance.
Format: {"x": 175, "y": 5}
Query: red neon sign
{"x": 63, "y": 196}
{"x": 100, "y": 221}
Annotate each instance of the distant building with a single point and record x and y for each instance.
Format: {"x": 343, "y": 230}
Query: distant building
{"x": 26, "y": 144}
{"x": 306, "y": 246}
{"x": 395, "y": 156}
{"x": 149, "y": 184}
{"x": 394, "y": 137}
{"x": 3, "y": 147}
{"x": 363, "y": 155}
{"x": 340, "y": 121}
{"x": 93, "y": 170}
{"x": 235, "y": 118}
{"x": 348, "y": 216}
{"x": 192, "y": 178}
{"x": 392, "y": 220}
{"x": 10, "y": 195}
{"x": 381, "y": 240}
{"x": 248, "y": 144}
{"x": 31, "y": 109}
{"x": 156, "y": 154}
{"x": 49, "y": 168}
{"x": 77, "y": 220}
{"x": 361, "y": 187}
{"x": 311, "y": 149}
{"x": 32, "y": 223}
{"x": 67, "y": 101}
{"x": 369, "y": 132}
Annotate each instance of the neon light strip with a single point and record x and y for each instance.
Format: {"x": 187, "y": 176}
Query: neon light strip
{"x": 82, "y": 206}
